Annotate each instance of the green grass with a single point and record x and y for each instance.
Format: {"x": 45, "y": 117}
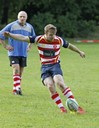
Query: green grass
{"x": 35, "y": 109}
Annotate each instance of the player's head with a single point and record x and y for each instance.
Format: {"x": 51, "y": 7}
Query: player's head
{"x": 48, "y": 27}
{"x": 50, "y": 31}
{"x": 22, "y": 17}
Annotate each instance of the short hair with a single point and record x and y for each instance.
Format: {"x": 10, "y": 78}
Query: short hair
{"x": 22, "y": 12}
{"x": 49, "y": 26}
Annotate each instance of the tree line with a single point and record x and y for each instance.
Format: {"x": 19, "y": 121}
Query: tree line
{"x": 73, "y": 18}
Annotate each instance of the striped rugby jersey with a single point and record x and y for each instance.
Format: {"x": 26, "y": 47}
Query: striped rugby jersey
{"x": 49, "y": 52}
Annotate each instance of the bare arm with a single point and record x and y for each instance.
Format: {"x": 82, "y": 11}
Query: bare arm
{"x": 75, "y": 49}
{"x": 29, "y": 46}
{"x": 7, "y": 47}
{"x": 17, "y": 36}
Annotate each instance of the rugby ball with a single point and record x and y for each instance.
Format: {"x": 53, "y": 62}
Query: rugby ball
{"x": 72, "y": 105}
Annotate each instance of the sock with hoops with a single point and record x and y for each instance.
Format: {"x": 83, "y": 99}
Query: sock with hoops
{"x": 68, "y": 94}
{"x": 57, "y": 100}
{"x": 16, "y": 82}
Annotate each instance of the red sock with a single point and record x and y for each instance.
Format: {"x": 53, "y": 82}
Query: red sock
{"x": 68, "y": 93}
{"x": 57, "y": 100}
{"x": 16, "y": 82}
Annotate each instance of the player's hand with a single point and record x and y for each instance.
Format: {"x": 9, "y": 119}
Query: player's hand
{"x": 82, "y": 54}
{"x": 28, "y": 49}
{"x": 9, "y": 48}
{"x": 6, "y": 33}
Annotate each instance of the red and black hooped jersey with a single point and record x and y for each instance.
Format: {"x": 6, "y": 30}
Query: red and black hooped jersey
{"x": 49, "y": 51}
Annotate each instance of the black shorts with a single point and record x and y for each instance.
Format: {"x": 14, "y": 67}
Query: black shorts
{"x": 22, "y": 61}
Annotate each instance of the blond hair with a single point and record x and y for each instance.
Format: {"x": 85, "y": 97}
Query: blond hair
{"x": 48, "y": 27}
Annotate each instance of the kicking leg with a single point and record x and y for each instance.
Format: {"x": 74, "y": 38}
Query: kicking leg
{"x": 54, "y": 95}
{"x": 66, "y": 91}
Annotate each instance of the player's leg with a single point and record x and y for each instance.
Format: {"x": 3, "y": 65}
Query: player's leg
{"x": 22, "y": 64}
{"x": 16, "y": 79}
{"x": 49, "y": 83}
{"x": 59, "y": 81}
{"x": 66, "y": 90}
{"x": 62, "y": 86}
{"x": 14, "y": 62}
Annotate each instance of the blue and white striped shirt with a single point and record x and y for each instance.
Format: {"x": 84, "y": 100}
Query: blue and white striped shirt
{"x": 20, "y": 49}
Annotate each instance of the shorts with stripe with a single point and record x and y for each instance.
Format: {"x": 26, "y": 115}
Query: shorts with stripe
{"x": 22, "y": 61}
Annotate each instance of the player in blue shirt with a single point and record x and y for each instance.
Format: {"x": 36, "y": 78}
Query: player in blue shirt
{"x": 17, "y": 51}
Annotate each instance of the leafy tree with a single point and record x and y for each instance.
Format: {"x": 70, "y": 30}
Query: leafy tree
{"x": 72, "y": 17}
{"x": 40, "y": 20}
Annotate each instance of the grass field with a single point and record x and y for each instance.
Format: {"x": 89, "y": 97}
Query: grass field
{"x": 35, "y": 109}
